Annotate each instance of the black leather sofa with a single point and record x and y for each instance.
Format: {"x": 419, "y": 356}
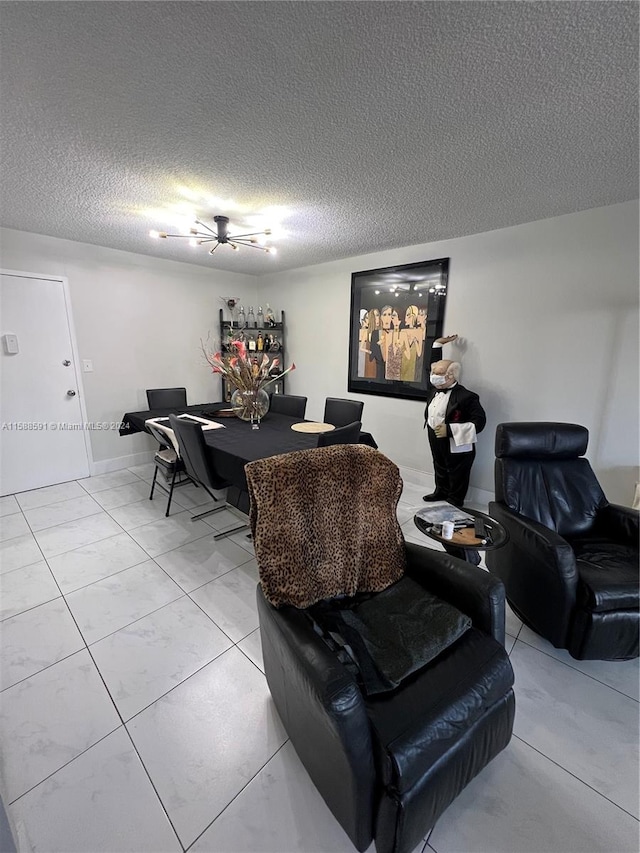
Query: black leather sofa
{"x": 570, "y": 567}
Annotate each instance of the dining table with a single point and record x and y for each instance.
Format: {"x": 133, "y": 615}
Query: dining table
{"x": 236, "y": 442}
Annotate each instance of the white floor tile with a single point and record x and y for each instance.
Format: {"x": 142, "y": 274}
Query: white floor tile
{"x": 279, "y": 810}
{"x": 49, "y": 719}
{"x": 123, "y": 495}
{"x": 36, "y": 639}
{"x": 169, "y": 533}
{"x": 205, "y": 740}
{"x": 522, "y": 802}
{"x": 622, "y": 675}
{"x": 509, "y": 643}
{"x": 117, "y": 601}
{"x": 143, "y": 511}
{"x": 587, "y": 728}
{"x": 252, "y": 647}
{"x": 12, "y": 526}
{"x": 107, "y": 481}
{"x": 231, "y": 601}
{"x": 18, "y": 552}
{"x": 225, "y": 519}
{"x": 199, "y": 562}
{"x": 101, "y": 802}
{"x": 145, "y": 472}
{"x": 404, "y": 512}
{"x": 146, "y": 659}
{"x": 25, "y": 588}
{"x": 244, "y": 540}
{"x": 52, "y": 514}
{"x": 8, "y": 505}
{"x": 214, "y": 726}
{"x": 50, "y": 495}
{"x": 412, "y": 493}
{"x": 75, "y": 534}
{"x": 191, "y": 496}
{"x": 90, "y": 563}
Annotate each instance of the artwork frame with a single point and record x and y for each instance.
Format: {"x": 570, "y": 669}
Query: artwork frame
{"x": 396, "y": 315}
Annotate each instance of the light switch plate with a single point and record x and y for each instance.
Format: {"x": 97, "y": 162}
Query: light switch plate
{"x": 10, "y": 344}
{"x": 87, "y": 365}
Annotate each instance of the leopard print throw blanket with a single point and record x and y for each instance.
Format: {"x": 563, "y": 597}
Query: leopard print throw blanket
{"x": 324, "y": 523}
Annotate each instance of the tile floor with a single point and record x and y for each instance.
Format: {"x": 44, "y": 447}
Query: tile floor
{"x": 136, "y": 717}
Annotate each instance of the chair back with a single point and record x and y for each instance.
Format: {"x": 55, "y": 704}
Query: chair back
{"x": 539, "y": 473}
{"x": 342, "y": 412}
{"x": 349, "y": 434}
{"x": 163, "y": 434}
{"x": 193, "y": 451}
{"x": 288, "y": 404}
{"x": 166, "y": 398}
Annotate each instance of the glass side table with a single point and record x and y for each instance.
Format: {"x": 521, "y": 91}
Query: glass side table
{"x": 464, "y": 543}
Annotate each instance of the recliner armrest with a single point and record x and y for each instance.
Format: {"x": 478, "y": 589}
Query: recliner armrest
{"x": 620, "y": 523}
{"x": 473, "y": 591}
{"x": 538, "y": 568}
{"x": 546, "y": 547}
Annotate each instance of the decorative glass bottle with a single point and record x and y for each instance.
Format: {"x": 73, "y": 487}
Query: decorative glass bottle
{"x": 241, "y": 318}
{"x": 260, "y": 318}
{"x": 251, "y": 319}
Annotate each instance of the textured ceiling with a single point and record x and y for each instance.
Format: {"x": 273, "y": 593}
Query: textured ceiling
{"x": 369, "y": 125}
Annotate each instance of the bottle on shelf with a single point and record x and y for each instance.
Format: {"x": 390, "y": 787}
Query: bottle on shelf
{"x": 269, "y": 316}
{"x": 241, "y": 318}
{"x": 260, "y": 342}
{"x": 251, "y": 318}
{"x": 260, "y": 318}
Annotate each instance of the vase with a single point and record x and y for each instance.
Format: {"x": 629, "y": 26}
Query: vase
{"x": 250, "y": 405}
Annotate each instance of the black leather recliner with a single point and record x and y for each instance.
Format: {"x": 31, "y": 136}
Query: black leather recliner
{"x": 570, "y": 567}
{"x": 387, "y": 762}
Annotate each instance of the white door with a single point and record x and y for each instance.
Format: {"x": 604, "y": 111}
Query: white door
{"x": 42, "y": 441}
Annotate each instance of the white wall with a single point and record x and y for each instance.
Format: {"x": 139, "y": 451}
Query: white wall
{"x": 548, "y": 312}
{"x": 549, "y": 316}
{"x": 139, "y": 319}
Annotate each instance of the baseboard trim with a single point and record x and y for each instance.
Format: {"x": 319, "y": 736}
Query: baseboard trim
{"x": 106, "y": 466}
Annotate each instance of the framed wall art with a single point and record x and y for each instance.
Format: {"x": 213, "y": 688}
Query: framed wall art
{"x": 396, "y": 315}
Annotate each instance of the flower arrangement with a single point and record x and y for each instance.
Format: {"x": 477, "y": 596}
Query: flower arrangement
{"x": 248, "y": 372}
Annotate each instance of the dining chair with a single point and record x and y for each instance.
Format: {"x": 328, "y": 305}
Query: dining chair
{"x": 198, "y": 465}
{"x": 342, "y": 412}
{"x": 167, "y": 458}
{"x": 348, "y": 434}
{"x": 288, "y": 404}
{"x": 166, "y": 398}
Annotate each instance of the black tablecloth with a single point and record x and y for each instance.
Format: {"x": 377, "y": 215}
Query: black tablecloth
{"x": 236, "y": 443}
{"x": 133, "y": 422}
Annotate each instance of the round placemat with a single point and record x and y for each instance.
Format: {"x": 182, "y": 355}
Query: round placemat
{"x": 311, "y": 426}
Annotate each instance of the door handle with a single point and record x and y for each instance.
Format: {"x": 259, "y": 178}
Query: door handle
{"x": 66, "y": 362}
{"x": 71, "y": 393}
